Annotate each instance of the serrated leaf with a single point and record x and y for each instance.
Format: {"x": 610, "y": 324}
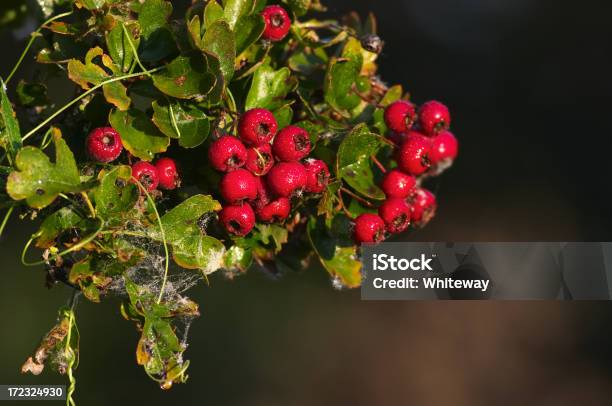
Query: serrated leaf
{"x": 269, "y": 88}
{"x": 138, "y": 133}
{"x": 354, "y": 163}
{"x": 342, "y": 74}
{"x": 115, "y": 195}
{"x": 89, "y": 73}
{"x": 191, "y": 122}
{"x": 118, "y": 44}
{"x": 191, "y": 249}
{"x": 336, "y": 251}
{"x": 157, "y": 40}
{"x": 10, "y": 135}
{"x": 234, "y": 9}
{"x": 272, "y": 233}
{"x": 186, "y": 77}
{"x": 219, "y": 41}
{"x": 39, "y": 181}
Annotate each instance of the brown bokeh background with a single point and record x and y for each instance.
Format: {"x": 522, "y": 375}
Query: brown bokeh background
{"x": 529, "y": 85}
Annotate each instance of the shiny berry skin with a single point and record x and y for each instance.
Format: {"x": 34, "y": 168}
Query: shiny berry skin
{"x": 413, "y": 156}
{"x": 400, "y": 116}
{"x": 257, "y": 126}
{"x": 444, "y": 148}
{"x": 369, "y": 228}
{"x": 167, "y": 174}
{"x": 423, "y": 205}
{"x": 238, "y": 220}
{"x": 238, "y": 186}
{"x": 397, "y": 184}
{"x": 318, "y": 175}
{"x": 434, "y": 117}
{"x": 259, "y": 159}
{"x": 278, "y": 23}
{"x": 276, "y": 211}
{"x": 146, "y": 174}
{"x": 104, "y": 144}
{"x": 396, "y": 214}
{"x": 291, "y": 144}
{"x": 227, "y": 154}
{"x": 287, "y": 179}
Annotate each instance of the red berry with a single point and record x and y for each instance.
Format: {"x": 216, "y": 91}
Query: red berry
{"x": 238, "y": 220}
{"x": 444, "y": 148}
{"x": 396, "y": 214}
{"x": 278, "y": 23}
{"x": 238, "y": 186}
{"x": 276, "y": 211}
{"x": 287, "y": 179}
{"x": 257, "y": 126}
{"x": 146, "y": 174}
{"x": 291, "y": 144}
{"x": 104, "y": 144}
{"x": 318, "y": 175}
{"x": 167, "y": 174}
{"x": 423, "y": 205}
{"x": 413, "y": 156}
{"x": 434, "y": 117}
{"x": 259, "y": 159}
{"x": 398, "y": 184}
{"x": 400, "y": 116}
{"x": 227, "y": 153}
{"x": 369, "y": 228}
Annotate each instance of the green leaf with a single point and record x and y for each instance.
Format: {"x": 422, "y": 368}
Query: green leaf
{"x": 269, "y": 88}
{"x": 92, "y": 4}
{"x": 329, "y": 200}
{"x": 32, "y": 94}
{"x": 248, "y": 31}
{"x": 219, "y": 41}
{"x": 212, "y": 13}
{"x": 308, "y": 60}
{"x": 39, "y": 181}
{"x": 238, "y": 257}
{"x": 342, "y": 74}
{"x": 10, "y": 136}
{"x": 191, "y": 249}
{"x": 157, "y": 40}
{"x": 335, "y": 250}
{"x": 272, "y": 233}
{"x": 192, "y": 124}
{"x": 55, "y": 224}
{"x": 186, "y": 77}
{"x": 138, "y": 133}
{"x": 354, "y": 161}
{"x": 90, "y": 73}
{"x": 284, "y": 116}
{"x": 234, "y": 9}
{"x": 115, "y": 194}
{"x": 118, "y": 44}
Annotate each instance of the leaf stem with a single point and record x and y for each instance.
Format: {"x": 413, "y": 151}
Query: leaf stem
{"x": 89, "y": 205}
{"x": 33, "y": 37}
{"x": 6, "y": 218}
{"x": 85, "y": 94}
{"x": 377, "y": 162}
{"x": 134, "y": 50}
{"x": 356, "y": 197}
{"x": 75, "y": 247}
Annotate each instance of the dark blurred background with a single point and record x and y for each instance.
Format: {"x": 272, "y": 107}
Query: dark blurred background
{"x": 529, "y": 86}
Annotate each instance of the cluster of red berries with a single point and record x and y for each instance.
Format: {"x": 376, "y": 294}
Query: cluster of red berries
{"x": 264, "y": 169}
{"x": 425, "y": 146}
{"x": 104, "y": 145}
